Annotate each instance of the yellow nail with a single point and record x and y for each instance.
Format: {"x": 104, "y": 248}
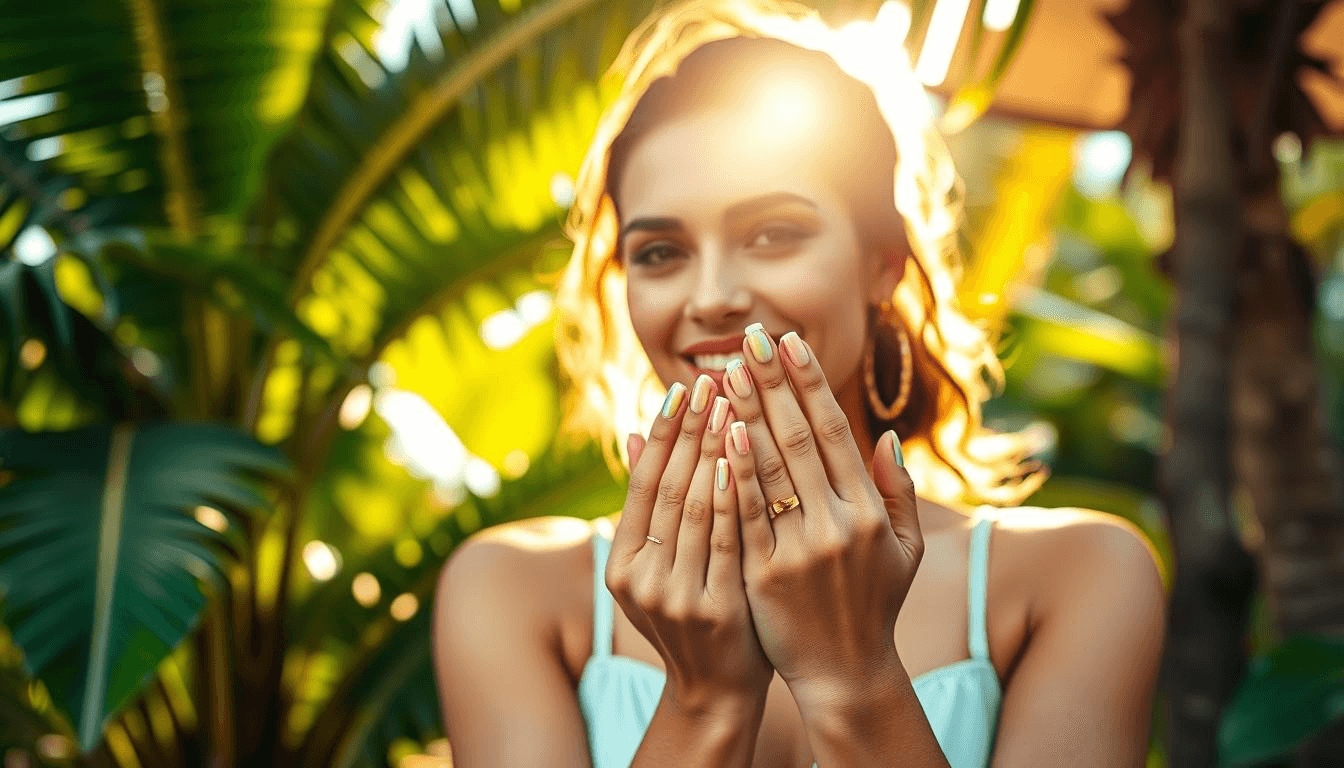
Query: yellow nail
{"x": 719, "y": 415}
{"x": 796, "y": 348}
{"x": 759, "y": 343}
{"x": 721, "y": 474}
{"x": 700, "y": 393}
{"x": 673, "y": 400}
{"x": 738, "y": 378}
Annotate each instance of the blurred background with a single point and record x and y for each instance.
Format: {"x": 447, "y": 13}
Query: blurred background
{"x": 276, "y": 336}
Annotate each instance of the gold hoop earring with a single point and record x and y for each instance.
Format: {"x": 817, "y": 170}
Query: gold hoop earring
{"x": 882, "y": 410}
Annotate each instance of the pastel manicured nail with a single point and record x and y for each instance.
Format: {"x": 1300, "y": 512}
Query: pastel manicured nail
{"x": 719, "y": 415}
{"x": 738, "y": 378}
{"x": 759, "y": 343}
{"x": 721, "y": 474}
{"x": 700, "y": 393}
{"x": 741, "y": 443}
{"x": 796, "y": 348}
{"x": 673, "y": 400}
{"x": 896, "y": 448}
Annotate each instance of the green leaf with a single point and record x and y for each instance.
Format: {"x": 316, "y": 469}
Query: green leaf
{"x": 971, "y": 100}
{"x": 1289, "y": 695}
{"x": 100, "y": 556}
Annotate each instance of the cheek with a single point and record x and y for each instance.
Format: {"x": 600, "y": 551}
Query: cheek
{"x": 654, "y": 307}
{"x": 833, "y": 309}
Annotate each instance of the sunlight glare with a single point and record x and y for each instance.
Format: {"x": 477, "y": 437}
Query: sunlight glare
{"x": 941, "y": 40}
{"x": 321, "y": 559}
{"x": 999, "y": 14}
{"x": 34, "y": 246}
{"x": 366, "y": 589}
{"x": 404, "y": 607}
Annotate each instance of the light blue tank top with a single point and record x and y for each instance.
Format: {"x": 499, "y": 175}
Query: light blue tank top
{"x": 618, "y": 694}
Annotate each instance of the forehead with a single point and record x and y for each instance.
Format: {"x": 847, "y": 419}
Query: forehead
{"x": 706, "y": 160}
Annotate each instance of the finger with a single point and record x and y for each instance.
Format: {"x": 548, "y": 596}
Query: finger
{"x": 676, "y": 481}
{"x": 896, "y": 488}
{"x": 725, "y": 556}
{"x": 644, "y": 477}
{"x": 634, "y": 446}
{"x": 771, "y": 473}
{"x": 828, "y": 422}
{"x": 697, "y": 518}
{"x": 758, "y": 535}
{"x": 787, "y": 423}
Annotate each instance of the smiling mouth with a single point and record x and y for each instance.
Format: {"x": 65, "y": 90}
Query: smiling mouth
{"x": 714, "y": 361}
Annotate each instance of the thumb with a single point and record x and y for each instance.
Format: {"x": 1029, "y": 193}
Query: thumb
{"x": 896, "y": 489}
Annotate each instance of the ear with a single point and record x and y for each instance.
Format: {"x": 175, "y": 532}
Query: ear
{"x": 889, "y": 270}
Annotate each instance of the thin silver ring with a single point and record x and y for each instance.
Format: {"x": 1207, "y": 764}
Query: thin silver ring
{"x": 654, "y": 539}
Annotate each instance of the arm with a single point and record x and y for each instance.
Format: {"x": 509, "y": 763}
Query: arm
{"x": 1082, "y": 693}
{"x": 506, "y": 697}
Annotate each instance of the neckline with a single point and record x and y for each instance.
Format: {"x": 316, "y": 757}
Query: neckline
{"x": 647, "y": 668}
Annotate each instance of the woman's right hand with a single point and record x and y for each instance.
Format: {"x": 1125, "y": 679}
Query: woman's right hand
{"x": 686, "y": 595}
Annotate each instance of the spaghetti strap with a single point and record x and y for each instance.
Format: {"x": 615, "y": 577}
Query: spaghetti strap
{"x": 602, "y": 600}
{"x": 977, "y": 586}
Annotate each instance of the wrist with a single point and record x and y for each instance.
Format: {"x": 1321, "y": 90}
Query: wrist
{"x": 849, "y": 697}
{"x": 728, "y": 707}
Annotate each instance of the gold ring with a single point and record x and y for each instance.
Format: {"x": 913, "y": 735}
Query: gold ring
{"x": 654, "y": 539}
{"x": 783, "y": 505}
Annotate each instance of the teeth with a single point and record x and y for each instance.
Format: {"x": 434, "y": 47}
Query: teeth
{"x": 714, "y": 362}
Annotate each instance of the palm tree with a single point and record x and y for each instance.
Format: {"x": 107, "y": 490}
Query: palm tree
{"x": 217, "y": 221}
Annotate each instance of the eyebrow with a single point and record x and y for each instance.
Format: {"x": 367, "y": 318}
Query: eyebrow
{"x": 735, "y": 211}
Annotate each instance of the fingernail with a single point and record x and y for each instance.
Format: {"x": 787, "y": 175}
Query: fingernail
{"x": 719, "y": 415}
{"x": 738, "y": 378}
{"x": 759, "y": 343}
{"x": 741, "y": 443}
{"x": 896, "y": 448}
{"x": 796, "y": 348}
{"x": 673, "y": 400}
{"x": 721, "y": 474}
{"x": 700, "y": 393}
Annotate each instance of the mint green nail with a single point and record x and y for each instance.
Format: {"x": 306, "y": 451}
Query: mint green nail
{"x": 673, "y": 400}
{"x": 896, "y": 448}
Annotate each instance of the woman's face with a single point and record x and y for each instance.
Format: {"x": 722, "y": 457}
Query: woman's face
{"x": 733, "y": 216}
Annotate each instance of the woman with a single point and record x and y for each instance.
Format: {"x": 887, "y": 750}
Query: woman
{"x": 784, "y": 597}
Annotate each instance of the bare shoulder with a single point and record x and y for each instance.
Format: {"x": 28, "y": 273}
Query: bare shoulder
{"x": 520, "y": 558}
{"x": 1072, "y": 556}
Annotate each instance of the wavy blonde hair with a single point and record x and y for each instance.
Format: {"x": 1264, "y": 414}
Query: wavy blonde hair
{"x": 950, "y": 455}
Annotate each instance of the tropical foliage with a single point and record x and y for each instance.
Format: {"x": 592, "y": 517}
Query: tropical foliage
{"x": 274, "y": 339}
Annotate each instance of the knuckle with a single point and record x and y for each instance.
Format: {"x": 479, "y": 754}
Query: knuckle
{"x": 669, "y": 494}
{"x": 772, "y": 471}
{"x": 834, "y": 428}
{"x": 771, "y": 378}
{"x": 690, "y": 431}
{"x": 641, "y": 490}
{"x": 754, "y": 508}
{"x": 696, "y": 511}
{"x": 795, "y": 438}
{"x": 724, "y": 545}
{"x": 709, "y": 451}
{"x": 811, "y": 385}
{"x": 618, "y": 582}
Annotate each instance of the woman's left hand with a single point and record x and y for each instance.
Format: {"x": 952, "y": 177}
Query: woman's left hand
{"x": 827, "y": 578}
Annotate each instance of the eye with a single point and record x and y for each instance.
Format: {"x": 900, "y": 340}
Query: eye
{"x": 776, "y": 234}
{"x": 655, "y": 254}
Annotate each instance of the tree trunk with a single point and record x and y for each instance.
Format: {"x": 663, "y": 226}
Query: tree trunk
{"x": 1214, "y": 578}
{"x": 1285, "y": 466}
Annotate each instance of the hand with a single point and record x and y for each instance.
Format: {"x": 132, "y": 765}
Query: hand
{"x": 827, "y": 579}
{"x": 686, "y": 595}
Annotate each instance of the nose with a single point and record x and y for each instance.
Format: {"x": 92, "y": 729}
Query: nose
{"x": 719, "y": 294}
